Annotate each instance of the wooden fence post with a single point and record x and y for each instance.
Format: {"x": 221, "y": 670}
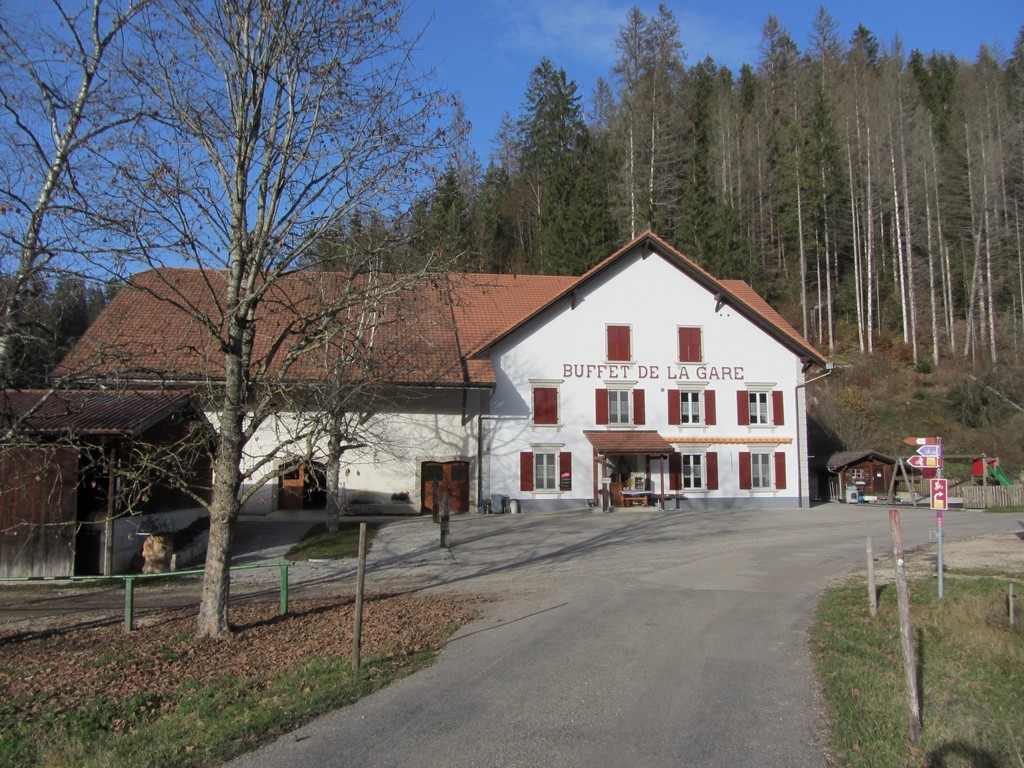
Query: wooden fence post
{"x": 872, "y": 590}
{"x": 357, "y": 632}
{"x": 906, "y": 633}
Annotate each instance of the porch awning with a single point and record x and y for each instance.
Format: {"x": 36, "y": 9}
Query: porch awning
{"x": 619, "y": 442}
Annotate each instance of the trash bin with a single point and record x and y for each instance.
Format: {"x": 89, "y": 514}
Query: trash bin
{"x": 513, "y": 506}
{"x": 499, "y": 504}
{"x": 852, "y": 494}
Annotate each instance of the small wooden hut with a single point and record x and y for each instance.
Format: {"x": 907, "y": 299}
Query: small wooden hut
{"x": 856, "y": 474}
{"x": 74, "y": 462}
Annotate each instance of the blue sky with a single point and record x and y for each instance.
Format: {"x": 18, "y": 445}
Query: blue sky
{"x": 485, "y": 49}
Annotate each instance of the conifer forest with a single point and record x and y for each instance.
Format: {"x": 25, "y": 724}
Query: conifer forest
{"x": 873, "y": 194}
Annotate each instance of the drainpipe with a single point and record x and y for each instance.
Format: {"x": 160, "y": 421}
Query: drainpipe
{"x": 800, "y": 460}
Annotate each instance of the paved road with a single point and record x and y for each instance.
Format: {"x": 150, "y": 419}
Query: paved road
{"x": 624, "y": 639}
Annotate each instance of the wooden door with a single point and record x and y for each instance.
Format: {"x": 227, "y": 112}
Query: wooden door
{"x": 438, "y": 479}
{"x": 292, "y": 483}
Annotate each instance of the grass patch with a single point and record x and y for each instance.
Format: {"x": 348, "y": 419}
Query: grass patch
{"x": 198, "y": 725}
{"x": 970, "y": 671}
{"x": 321, "y": 544}
{"x": 1010, "y": 510}
{"x": 159, "y": 697}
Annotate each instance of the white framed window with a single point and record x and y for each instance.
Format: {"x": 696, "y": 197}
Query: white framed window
{"x": 689, "y": 407}
{"x": 760, "y": 471}
{"x": 692, "y": 477}
{"x": 618, "y": 406}
{"x": 545, "y": 471}
{"x": 758, "y": 412}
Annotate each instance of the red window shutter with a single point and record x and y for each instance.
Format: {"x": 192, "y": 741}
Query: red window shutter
{"x": 744, "y": 470}
{"x": 618, "y": 343}
{"x": 675, "y": 471}
{"x": 742, "y": 408}
{"x": 710, "y": 415}
{"x": 526, "y": 471}
{"x": 780, "y": 471}
{"x": 711, "y": 468}
{"x": 565, "y": 471}
{"x": 689, "y": 345}
{"x": 545, "y": 405}
{"x": 639, "y": 407}
{"x": 673, "y": 406}
{"x": 601, "y": 401}
{"x": 777, "y": 409}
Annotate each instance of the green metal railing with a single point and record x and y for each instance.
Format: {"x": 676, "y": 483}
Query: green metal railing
{"x": 129, "y": 584}
{"x": 129, "y": 580}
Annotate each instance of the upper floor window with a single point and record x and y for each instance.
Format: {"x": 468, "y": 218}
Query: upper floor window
{"x": 619, "y": 343}
{"x": 760, "y": 407}
{"x": 689, "y": 407}
{"x": 757, "y": 408}
{"x": 621, "y": 406}
{"x": 545, "y": 404}
{"x": 690, "y": 345}
{"x": 692, "y": 406}
{"x": 618, "y": 406}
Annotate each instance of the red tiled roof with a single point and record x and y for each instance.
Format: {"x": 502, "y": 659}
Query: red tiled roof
{"x": 487, "y": 305}
{"x": 167, "y": 324}
{"x": 735, "y": 292}
{"x": 87, "y": 412}
{"x": 643, "y": 442}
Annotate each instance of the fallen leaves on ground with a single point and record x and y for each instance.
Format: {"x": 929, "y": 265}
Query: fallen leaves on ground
{"x": 61, "y": 669}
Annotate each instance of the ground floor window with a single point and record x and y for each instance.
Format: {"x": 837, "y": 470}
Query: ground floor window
{"x": 760, "y": 470}
{"x": 545, "y": 477}
{"x": 763, "y": 470}
{"x": 545, "y": 470}
{"x": 692, "y": 470}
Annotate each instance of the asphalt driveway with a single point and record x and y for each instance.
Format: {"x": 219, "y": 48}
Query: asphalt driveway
{"x": 637, "y": 638}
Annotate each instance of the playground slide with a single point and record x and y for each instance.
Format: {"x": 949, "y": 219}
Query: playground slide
{"x": 999, "y": 476}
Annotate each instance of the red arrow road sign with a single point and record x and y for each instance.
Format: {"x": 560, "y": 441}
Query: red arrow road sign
{"x": 922, "y": 441}
{"x": 940, "y": 491}
{"x": 933, "y": 462}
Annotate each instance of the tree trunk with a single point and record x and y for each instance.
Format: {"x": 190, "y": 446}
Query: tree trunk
{"x": 802, "y": 251}
{"x": 213, "y": 606}
{"x": 334, "y": 475}
{"x": 870, "y": 253}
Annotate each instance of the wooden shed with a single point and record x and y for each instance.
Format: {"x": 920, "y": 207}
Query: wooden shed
{"x": 868, "y": 472}
{"x": 74, "y": 461}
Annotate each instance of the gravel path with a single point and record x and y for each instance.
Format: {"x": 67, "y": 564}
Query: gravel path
{"x": 404, "y": 549}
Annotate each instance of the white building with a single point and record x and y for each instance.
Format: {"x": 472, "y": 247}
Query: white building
{"x": 645, "y": 375}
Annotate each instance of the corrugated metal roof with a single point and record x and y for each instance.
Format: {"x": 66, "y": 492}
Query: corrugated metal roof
{"x": 842, "y": 459}
{"x": 87, "y": 412}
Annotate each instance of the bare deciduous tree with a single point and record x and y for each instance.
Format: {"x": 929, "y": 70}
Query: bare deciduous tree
{"x": 62, "y": 106}
{"x": 278, "y": 122}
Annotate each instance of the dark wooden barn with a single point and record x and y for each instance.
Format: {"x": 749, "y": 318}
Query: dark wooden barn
{"x": 869, "y": 473}
{"x": 73, "y": 463}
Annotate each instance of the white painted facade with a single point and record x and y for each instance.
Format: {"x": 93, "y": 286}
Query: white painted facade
{"x": 566, "y": 348}
{"x": 491, "y": 433}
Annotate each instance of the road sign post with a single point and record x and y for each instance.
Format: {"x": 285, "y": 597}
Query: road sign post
{"x": 929, "y": 456}
{"x": 940, "y": 503}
